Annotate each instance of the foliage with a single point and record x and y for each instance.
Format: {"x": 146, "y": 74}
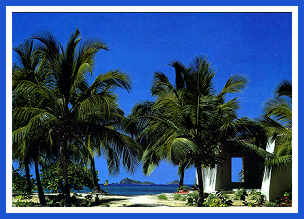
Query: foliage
{"x": 278, "y": 123}
{"x": 252, "y": 198}
{"x": 21, "y": 201}
{"x": 63, "y": 116}
{"x": 162, "y": 197}
{"x": 79, "y": 176}
{"x": 185, "y": 188}
{"x": 76, "y": 201}
{"x": 189, "y": 121}
{"x": 20, "y": 183}
{"x": 256, "y": 198}
{"x": 240, "y": 194}
{"x": 285, "y": 200}
{"x": 192, "y": 198}
{"x": 177, "y": 196}
{"x": 270, "y": 204}
{"x": 217, "y": 200}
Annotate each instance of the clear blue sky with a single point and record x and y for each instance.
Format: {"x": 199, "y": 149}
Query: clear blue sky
{"x": 255, "y": 45}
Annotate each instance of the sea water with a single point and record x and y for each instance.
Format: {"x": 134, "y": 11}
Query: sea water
{"x": 126, "y": 189}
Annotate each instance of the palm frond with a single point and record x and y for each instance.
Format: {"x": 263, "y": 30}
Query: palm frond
{"x": 234, "y": 84}
{"x": 284, "y": 89}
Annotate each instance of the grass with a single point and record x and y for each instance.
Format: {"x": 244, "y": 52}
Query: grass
{"x": 162, "y": 197}
{"x": 177, "y": 197}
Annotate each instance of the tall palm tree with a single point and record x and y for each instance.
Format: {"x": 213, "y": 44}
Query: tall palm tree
{"x": 189, "y": 121}
{"x": 72, "y": 109}
{"x": 29, "y": 68}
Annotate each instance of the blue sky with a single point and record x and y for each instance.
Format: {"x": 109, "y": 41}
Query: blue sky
{"x": 254, "y": 45}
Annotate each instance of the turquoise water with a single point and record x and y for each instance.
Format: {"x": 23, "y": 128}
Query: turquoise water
{"x": 119, "y": 189}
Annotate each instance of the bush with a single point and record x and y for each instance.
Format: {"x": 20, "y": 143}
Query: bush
{"x": 256, "y": 198}
{"x": 79, "y": 176}
{"x": 162, "y": 197}
{"x": 20, "y": 183}
{"x": 20, "y": 201}
{"x": 240, "y": 195}
{"x": 217, "y": 200}
{"x": 285, "y": 200}
{"x": 58, "y": 201}
{"x": 192, "y": 198}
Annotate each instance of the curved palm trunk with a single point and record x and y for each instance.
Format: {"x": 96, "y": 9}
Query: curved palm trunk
{"x": 200, "y": 184}
{"x": 39, "y": 186}
{"x": 181, "y": 174}
{"x": 66, "y": 186}
{"x": 95, "y": 177}
{"x": 28, "y": 178}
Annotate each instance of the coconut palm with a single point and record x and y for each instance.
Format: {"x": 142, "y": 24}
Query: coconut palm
{"x": 278, "y": 123}
{"x": 71, "y": 109}
{"x": 189, "y": 121}
{"x": 29, "y": 68}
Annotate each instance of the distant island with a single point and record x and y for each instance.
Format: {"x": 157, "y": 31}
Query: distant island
{"x": 175, "y": 182}
{"x": 131, "y": 181}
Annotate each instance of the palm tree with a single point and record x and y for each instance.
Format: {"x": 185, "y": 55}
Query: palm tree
{"x": 72, "y": 109}
{"x": 31, "y": 68}
{"x": 189, "y": 121}
{"x": 278, "y": 123}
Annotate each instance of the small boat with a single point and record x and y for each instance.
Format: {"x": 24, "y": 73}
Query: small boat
{"x": 106, "y": 183}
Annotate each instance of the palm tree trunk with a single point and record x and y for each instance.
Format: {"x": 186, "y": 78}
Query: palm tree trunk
{"x": 66, "y": 186}
{"x": 200, "y": 184}
{"x": 95, "y": 177}
{"x": 39, "y": 186}
{"x": 28, "y": 178}
{"x": 181, "y": 174}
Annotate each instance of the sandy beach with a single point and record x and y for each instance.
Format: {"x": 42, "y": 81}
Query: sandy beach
{"x": 107, "y": 200}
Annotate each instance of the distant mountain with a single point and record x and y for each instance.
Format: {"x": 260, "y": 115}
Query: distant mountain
{"x": 131, "y": 181}
{"x": 175, "y": 182}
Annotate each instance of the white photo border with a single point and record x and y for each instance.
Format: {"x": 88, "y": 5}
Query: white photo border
{"x": 170, "y": 9}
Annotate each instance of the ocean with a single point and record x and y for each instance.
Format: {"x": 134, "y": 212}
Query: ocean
{"x": 130, "y": 189}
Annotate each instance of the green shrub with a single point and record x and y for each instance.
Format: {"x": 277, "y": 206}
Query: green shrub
{"x": 240, "y": 195}
{"x": 19, "y": 183}
{"x": 192, "y": 198}
{"x": 162, "y": 197}
{"x": 25, "y": 204}
{"x": 20, "y": 201}
{"x": 256, "y": 198}
{"x": 180, "y": 197}
{"x": 217, "y": 200}
{"x": 79, "y": 176}
{"x": 58, "y": 201}
{"x": 183, "y": 198}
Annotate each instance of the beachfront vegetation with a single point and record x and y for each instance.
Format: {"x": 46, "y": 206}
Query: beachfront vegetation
{"x": 277, "y": 123}
{"x": 58, "y": 114}
{"x": 20, "y": 184}
{"x": 190, "y": 123}
{"x": 79, "y": 177}
{"x": 63, "y": 118}
{"x": 217, "y": 200}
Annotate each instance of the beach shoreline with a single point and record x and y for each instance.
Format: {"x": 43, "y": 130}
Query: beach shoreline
{"x": 109, "y": 200}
